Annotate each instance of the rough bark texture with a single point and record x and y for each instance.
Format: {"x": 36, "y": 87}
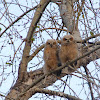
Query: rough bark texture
{"x": 24, "y": 87}
{"x": 66, "y": 13}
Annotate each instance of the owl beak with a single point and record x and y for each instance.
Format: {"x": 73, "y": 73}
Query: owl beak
{"x": 51, "y": 45}
{"x": 67, "y": 41}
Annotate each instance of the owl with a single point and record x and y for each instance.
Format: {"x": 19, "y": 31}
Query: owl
{"x": 68, "y": 50}
{"x": 51, "y": 58}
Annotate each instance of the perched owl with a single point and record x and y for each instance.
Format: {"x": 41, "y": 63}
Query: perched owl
{"x": 51, "y": 58}
{"x": 68, "y": 50}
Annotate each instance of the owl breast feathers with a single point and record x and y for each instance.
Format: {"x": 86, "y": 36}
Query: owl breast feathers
{"x": 50, "y": 55}
{"x": 68, "y": 50}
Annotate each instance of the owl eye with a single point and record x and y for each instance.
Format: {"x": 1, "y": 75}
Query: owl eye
{"x": 64, "y": 39}
{"x": 71, "y": 38}
{"x": 48, "y": 43}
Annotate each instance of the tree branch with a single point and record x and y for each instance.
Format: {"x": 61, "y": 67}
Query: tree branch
{"x": 59, "y": 68}
{"x": 84, "y": 41}
{"x": 91, "y": 91}
{"x": 17, "y": 20}
{"x": 23, "y": 66}
{"x": 61, "y": 94}
{"x": 35, "y": 52}
{"x": 37, "y": 77}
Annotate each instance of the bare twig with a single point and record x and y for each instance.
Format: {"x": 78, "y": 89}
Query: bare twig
{"x": 34, "y": 53}
{"x": 91, "y": 91}
{"x": 84, "y": 41}
{"x": 17, "y": 20}
{"x": 51, "y": 28}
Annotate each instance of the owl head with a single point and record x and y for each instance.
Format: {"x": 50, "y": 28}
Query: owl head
{"x": 51, "y": 43}
{"x": 67, "y": 39}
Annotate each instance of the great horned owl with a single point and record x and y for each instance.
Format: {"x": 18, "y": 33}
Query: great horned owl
{"x": 51, "y": 57}
{"x": 68, "y": 50}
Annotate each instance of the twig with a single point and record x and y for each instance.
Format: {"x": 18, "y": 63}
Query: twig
{"x": 2, "y": 95}
{"x": 65, "y": 83}
{"x": 17, "y": 50}
{"x": 86, "y": 71}
{"x": 34, "y": 53}
{"x": 68, "y": 86}
{"x": 17, "y": 20}
{"x": 51, "y": 28}
{"x": 84, "y": 41}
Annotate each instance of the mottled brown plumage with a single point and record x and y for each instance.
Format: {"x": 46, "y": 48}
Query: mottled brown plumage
{"x": 68, "y": 50}
{"x": 51, "y": 59}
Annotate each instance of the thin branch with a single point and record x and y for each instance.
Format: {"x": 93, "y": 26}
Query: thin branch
{"x": 51, "y": 28}
{"x": 17, "y": 20}
{"x": 50, "y": 92}
{"x": 94, "y": 36}
{"x": 4, "y": 12}
{"x": 79, "y": 13}
{"x": 84, "y": 41}
{"x": 2, "y": 95}
{"x": 34, "y": 53}
{"x": 68, "y": 86}
{"x": 17, "y": 50}
{"x": 3, "y": 25}
{"x": 86, "y": 71}
{"x": 94, "y": 15}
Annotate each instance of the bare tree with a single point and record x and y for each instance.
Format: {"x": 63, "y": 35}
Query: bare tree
{"x": 22, "y": 42}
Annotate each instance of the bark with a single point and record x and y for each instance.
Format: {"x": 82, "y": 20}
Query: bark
{"x": 23, "y": 65}
{"x": 66, "y": 13}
